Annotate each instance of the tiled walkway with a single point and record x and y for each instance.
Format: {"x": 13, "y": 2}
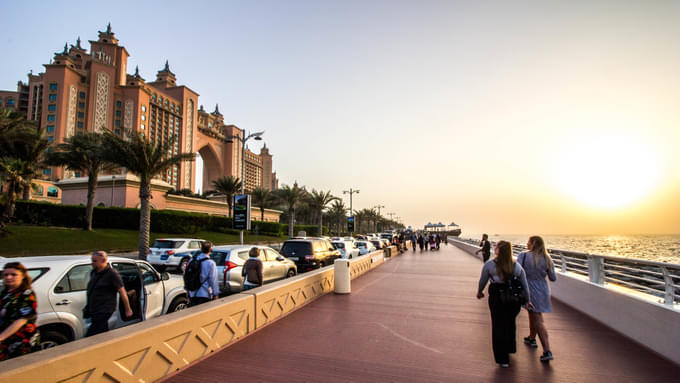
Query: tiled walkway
{"x": 416, "y": 319}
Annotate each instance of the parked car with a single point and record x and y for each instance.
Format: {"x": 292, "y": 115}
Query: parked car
{"x": 379, "y": 244}
{"x": 365, "y": 247}
{"x": 173, "y": 252}
{"x": 230, "y": 260}
{"x": 346, "y": 248}
{"x": 310, "y": 254}
{"x": 60, "y": 286}
{"x": 389, "y": 237}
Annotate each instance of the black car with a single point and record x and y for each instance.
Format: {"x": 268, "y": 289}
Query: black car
{"x": 309, "y": 254}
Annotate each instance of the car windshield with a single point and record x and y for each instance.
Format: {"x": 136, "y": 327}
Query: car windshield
{"x": 339, "y": 245}
{"x": 33, "y": 273}
{"x": 292, "y": 248}
{"x": 166, "y": 244}
{"x": 361, "y": 244}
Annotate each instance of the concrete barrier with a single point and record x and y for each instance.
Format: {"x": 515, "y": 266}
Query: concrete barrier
{"x": 153, "y": 349}
{"x": 635, "y": 315}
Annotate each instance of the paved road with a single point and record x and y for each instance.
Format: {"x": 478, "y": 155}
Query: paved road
{"x": 416, "y": 319}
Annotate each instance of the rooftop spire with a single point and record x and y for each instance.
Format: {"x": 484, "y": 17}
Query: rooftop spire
{"x": 217, "y": 109}
{"x": 65, "y": 52}
{"x": 78, "y": 43}
{"x": 136, "y": 70}
{"x": 167, "y": 66}
{"x": 108, "y": 28}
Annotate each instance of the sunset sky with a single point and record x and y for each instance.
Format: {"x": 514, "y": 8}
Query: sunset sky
{"x": 505, "y": 117}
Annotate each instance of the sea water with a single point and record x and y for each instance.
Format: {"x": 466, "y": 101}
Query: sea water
{"x": 660, "y": 248}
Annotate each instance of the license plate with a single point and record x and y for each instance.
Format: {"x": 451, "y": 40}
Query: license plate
{"x": 294, "y": 258}
{"x": 164, "y": 257}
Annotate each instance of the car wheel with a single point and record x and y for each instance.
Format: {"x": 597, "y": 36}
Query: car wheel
{"x": 178, "y": 304}
{"x": 291, "y": 273}
{"x": 51, "y": 338}
{"x": 183, "y": 265}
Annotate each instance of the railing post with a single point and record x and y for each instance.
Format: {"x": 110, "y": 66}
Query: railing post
{"x": 669, "y": 296}
{"x": 596, "y": 269}
{"x": 564, "y": 262}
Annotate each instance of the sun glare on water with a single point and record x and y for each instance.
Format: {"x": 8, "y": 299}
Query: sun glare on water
{"x": 607, "y": 171}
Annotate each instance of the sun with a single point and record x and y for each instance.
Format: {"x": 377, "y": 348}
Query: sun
{"x": 608, "y": 170}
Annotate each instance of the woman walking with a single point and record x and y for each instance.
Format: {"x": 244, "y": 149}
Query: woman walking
{"x": 538, "y": 265}
{"x": 503, "y": 315}
{"x": 18, "y": 312}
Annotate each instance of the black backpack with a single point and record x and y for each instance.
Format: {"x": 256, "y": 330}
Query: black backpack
{"x": 192, "y": 274}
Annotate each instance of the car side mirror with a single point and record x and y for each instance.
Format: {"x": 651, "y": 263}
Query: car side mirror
{"x": 280, "y": 258}
{"x": 165, "y": 276}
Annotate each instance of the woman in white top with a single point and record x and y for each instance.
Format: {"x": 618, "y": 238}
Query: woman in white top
{"x": 503, "y": 330}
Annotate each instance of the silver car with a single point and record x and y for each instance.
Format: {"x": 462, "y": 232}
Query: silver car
{"x": 60, "y": 286}
{"x": 365, "y": 247}
{"x": 172, "y": 252}
{"x": 230, "y": 260}
{"x": 346, "y": 248}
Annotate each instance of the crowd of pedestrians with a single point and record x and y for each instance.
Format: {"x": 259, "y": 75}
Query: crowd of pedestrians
{"x": 530, "y": 270}
{"x": 430, "y": 241}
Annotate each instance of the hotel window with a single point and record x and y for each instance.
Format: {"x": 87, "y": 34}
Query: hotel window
{"x": 80, "y": 125}
{"x": 52, "y": 191}
{"x": 51, "y": 117}
{"x": 143, "y": 108}
{"x": 81, "y": 115}
{"x": 53, "y": 97}
{"x": 50, "y": 138}
{"x": 51, "y": 107}
{"x": 81, "y": 105}
{"x": 118, "y": 113}
{"x": 53, "y": 86}
{"x": 117, "y": 122}
{"x": 143, "y": 117}
{"x": 47, "y": 172}
{"x": 117, "y": 131}
{"x": 10, "y": 102}
{"x": 50, "y": 128}
{"x": 142, "y": 126}
{"x": 160, "y": 99}
{"x": 119, "y": 104}
{"x": 81, "y": 94}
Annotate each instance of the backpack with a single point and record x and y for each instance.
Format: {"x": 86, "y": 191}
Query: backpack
{"x": 511, "y": 292}
{"x": 192, "y": 274}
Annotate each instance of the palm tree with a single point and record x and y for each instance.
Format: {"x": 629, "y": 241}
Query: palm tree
{"x": 318, "y": 202}
{"x": 146, "y": 160}
{"x": 337, "y": 213}
{"x": 83, "y": 153}
{"x": 22, "y": 149}
{"x": 263, "y": 198}
{"x": 291, "y": 197}
{"x": 229, "y": 186}
{"x": 15, "y": 173}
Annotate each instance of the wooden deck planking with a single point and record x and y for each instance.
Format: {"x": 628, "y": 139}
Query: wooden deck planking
{"x": 416, "y": 319}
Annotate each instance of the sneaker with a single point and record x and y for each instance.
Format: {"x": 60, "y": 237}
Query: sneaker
{"x": 504, "y": 365}
{"x": 547, "y": 356}
{"x": 530, "y": 342}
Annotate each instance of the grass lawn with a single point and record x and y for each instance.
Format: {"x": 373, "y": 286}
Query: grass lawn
{"x": 40, "y": 240}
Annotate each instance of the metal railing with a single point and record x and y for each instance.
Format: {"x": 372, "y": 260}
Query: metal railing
{"x": 659, "y": 279}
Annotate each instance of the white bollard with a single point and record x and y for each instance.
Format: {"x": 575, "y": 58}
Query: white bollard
{"x": 342, "y": 276}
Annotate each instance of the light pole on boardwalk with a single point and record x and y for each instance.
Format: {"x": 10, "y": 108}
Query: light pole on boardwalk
{"x": 243, "y": 139}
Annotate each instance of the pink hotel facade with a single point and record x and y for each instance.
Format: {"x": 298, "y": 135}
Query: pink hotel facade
{"x": 91, "y": 91}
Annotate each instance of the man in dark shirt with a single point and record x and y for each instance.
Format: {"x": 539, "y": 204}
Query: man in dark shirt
{"x": 105, "y": 283}
{"x": 252, "y": 270}
{"x": 485, "y": 247}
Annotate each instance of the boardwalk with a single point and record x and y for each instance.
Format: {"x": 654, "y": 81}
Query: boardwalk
{"x": 416, "y": 319}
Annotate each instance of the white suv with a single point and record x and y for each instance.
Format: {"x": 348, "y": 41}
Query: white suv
{"x": 172, "y": 252}
{"x": 60, "y": 286}
{"x": 346, "y": 248}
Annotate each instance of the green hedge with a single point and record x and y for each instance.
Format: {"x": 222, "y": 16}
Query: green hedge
{"x": 311, "y": 230}
{"x": 162, "y": 221}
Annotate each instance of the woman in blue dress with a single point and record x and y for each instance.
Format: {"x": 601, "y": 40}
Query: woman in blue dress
{"x": 538, "y": 265}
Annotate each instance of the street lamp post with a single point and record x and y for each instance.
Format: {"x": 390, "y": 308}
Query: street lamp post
{"x": 379, "y": 216}
{"x": 350, "y": 192}
{"x": 243, "y": 139}
{"x": 113, "y": 185}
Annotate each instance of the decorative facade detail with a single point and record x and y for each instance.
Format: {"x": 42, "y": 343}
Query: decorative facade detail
{"x": 71, "y": 115}
{"x": 127, "y": 119}
{"x": 101, "y": 103}
{"x": 188, "y": 142}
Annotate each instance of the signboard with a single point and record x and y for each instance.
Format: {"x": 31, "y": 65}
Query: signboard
{"x": 350, "y": 224}
{"x": 242, "y": 212}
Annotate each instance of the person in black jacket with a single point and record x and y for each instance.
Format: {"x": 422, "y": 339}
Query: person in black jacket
{"x": 252, "y": 270}
{"x": 104, "y": 286}
{"x": 485, "y": 247}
